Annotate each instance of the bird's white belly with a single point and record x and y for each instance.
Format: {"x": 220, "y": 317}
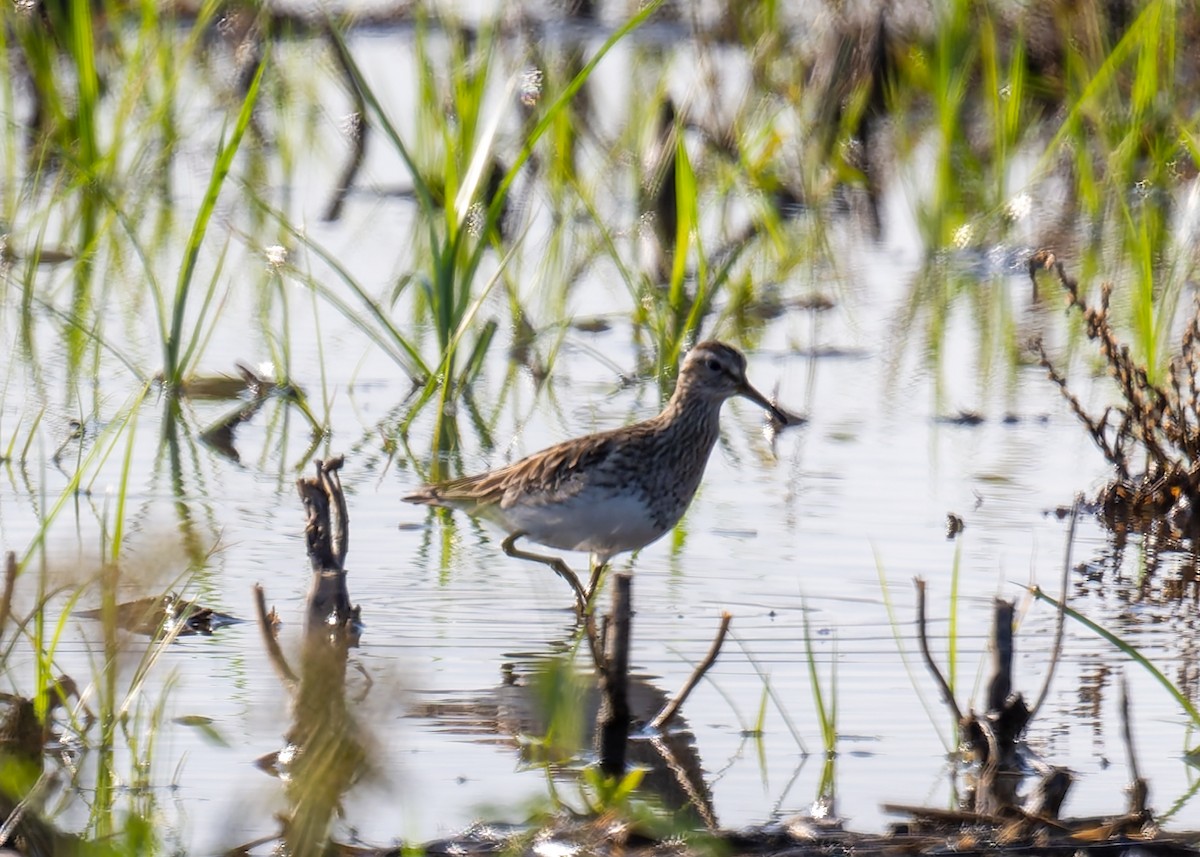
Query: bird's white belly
{"x": 604, "y": 527}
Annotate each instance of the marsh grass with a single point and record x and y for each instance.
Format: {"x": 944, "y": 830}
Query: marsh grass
{"x": 491, "y": 151}
{"x": 826, "y": 705}
{"x": 1176, "y": 692}
{"x": 179, "y": 353}
{"x": 127, "y": 720}
{"x": 769, "y": 691}
{"x": 463, "y": 204}
{"x": 976, "y": 97}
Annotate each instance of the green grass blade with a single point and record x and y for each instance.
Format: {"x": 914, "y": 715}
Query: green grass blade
{"x": 770, "y": 690}
{"x": 394, "y": 344}
{"x": 123, "y": 489}
{"x": 99, "y": 452}
{"x": 548, "y": 118}
{"x": 173, "y": 368}
{"x": 825, "y": 714}
{"x": 198, "y": 338}
{"x": 686, "y": 219}
{"x": 1127, "y": 648}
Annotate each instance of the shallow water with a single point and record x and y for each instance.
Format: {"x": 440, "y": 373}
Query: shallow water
{"x": 805, "y": 527}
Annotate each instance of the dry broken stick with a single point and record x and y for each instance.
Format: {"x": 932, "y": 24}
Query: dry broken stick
{"x": 327, "y": 524}
{"x": 266, "y": 627}
{"x": 327, "y": 537}
{"x": 1001, "y": 684}
{"x": 1156, "y": 417}
{"x": 923, "y": 640}
{"x": 995, "y": 736}
{"x": 327, "y": 747}
{"x": 672, "y": 708}
{"x": 613, "y": 718}
{"x": 1062, "y": 612}
{"x": 1138, "y": 788}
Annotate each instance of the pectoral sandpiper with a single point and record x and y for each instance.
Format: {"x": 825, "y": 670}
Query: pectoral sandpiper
{"x": 611, "y": 491}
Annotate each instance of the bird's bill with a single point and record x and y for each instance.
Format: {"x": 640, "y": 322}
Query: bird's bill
{"x": 763, "y": 402}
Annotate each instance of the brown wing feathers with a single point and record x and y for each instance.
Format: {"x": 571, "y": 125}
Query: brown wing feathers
{"x": 545, "y": 471}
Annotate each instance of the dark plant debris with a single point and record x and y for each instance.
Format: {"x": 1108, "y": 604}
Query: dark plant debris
{"x": 1152, "y": 438}
{"x": 158, "y": 613}
{"x": 927, "y": 832}
{"x": 962, "y": 418}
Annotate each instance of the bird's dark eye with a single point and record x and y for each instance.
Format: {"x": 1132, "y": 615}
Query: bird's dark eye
{"x": 713, "y": 364}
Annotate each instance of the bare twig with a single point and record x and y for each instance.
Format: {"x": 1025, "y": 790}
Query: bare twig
{"x": 339, "y": 514}
{"x": 1098, "y": 430}
{"x": 1138, "y": 788}
{"x": 1147, "y": 405}
{"x": 274, "y": 653}
{"x": 672, "y": 708}
{"x": 943, "y": 685}
{"x": 1056, "y": 653}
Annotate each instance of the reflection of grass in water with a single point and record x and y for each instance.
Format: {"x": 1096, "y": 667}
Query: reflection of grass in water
{"x": 976, "y": 94}
{"x": 463, "y": 205}
{"x": 127, "y": 719}
{"x": 1123, "y": 119}
{"x": 1135, "y": 655}
{"x": 96, "y": 159}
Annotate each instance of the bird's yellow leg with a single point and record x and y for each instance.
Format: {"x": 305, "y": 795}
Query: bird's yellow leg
{"x": 598, "y": 569}
{"x": 509, "y": 546}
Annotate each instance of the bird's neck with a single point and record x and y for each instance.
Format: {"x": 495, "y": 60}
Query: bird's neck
{"x": 692, "y": 419}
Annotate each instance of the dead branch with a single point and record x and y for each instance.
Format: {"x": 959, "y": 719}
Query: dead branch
{"x": 1152, "y": 439}
{"x": 1001, "y": 683}
{"x": 612, "y": 732}
{"x": 923, "y": 640}
{"x": 274, "y": 653}
{"x": 672, "y": 708}
{"x": 1113, "y": 453}
{"x": 1139, "y": 789}
{"x": 1056, "y": 653}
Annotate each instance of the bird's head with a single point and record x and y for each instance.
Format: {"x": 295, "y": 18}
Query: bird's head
{"x": 716, "y": 371}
